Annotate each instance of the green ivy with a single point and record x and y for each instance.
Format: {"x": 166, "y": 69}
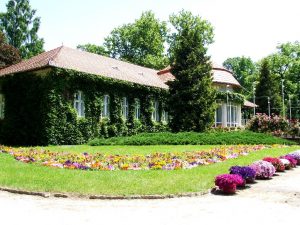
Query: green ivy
{"x": 41, "y": 111}
{"x": 232, "y": 97}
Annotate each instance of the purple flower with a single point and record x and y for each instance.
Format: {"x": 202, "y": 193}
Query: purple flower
{"x": 246, "y": 172}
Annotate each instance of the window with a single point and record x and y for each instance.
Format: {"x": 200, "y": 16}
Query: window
{"x": 105, "y": 109}
{"x": 164, "y": 116}
{"x": 155, "y": 113}
{"x": 79, "y": 103}
{"x": 218, "y": 118}
{"x": 124, "y": 107}
{"x": 2, "y": 104}
{"x": 232, "y": 115}
{"x": 137, "y": 109}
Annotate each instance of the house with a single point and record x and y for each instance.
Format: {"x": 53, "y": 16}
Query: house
{"x": 67, "y": 96}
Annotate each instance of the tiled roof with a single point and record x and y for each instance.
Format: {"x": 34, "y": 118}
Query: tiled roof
{"x": 64, "y": 57}
{"x": 220, "y": 75}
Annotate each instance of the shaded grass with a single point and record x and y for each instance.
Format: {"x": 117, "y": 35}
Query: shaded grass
{"x": 193, "y": 138}
{"x": 32, "y": 177}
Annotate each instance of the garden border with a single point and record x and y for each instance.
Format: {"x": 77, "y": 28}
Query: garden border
{"x": 103, "y": 197}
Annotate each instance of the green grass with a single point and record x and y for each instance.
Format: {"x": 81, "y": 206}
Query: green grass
{"x": 14, "y": 174}
{"x": 193, "y": 138}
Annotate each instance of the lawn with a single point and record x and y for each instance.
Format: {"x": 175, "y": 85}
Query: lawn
{"x": 18, "y": 175}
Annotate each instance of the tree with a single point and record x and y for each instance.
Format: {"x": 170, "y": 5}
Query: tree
{"x": 141, "y": 42}
{"x": 20, "y": 26}
{"x": 8, "y": 54}
{"x": 267, "y": 87}
{"x": 100, "y": 50}
{"x": 192, "y": 97}
{"x": 244, "y": 70}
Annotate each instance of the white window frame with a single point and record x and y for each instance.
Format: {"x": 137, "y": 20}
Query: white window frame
{"x": 165, "y": 116}
{"x": 155, "y": 112}
{"x": 2, "y": 106}
{"x": 218, "y": 123}
{"x": 79, "y": 104}
{"x": 106, "y": 105}
{"x": 232, "y": 115}
{"x": 124, "y": 108}
{"x": 137, "y": 108}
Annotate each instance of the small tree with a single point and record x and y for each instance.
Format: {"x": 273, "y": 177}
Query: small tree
{"x": 267, "y": 87}
{"x": 192, "y": 97}
{"x": 21, "y": 27}
{"x": 8, "y": 54}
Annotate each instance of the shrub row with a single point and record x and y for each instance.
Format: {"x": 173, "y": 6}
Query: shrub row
{"x": 193, "y": 138}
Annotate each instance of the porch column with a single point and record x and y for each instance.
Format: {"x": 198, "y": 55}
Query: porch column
{"x": 224, "y": 114}
{"x": 239, "y": 115}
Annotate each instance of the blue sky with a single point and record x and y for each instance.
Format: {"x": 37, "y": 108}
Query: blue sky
{"x": 251, "y": 28}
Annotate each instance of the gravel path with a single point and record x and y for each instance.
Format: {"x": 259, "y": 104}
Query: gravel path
{"x": 276, "y": 201}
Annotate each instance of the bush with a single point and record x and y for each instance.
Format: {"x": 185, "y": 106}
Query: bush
{"x": 263, "y": 169}
{"x": 192, "y": 138}
{"x": 228, "y": 182}
{"x": 286, "y": 163}
{"x": 246, "y": 172}
{"x": 293, "y": 162}
{"x": 296, "y": 156}
{"x": 276, "y": 163}
{"x": 265, "y": 124}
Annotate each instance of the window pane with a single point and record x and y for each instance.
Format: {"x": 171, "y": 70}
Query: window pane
{"x": 219, "y": 115}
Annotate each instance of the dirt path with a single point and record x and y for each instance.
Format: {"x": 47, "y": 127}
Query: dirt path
{"x": 276, "y": 201}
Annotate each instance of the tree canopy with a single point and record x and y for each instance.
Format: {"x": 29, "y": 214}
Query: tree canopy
{"x": 141, "y": 42}
{"x": 244, "y": 70}
{"x": 92, "y": 48}
{"x": 192, "y": 97}
{"x": 9, "y": 55}
{"x": 20, "y": 27}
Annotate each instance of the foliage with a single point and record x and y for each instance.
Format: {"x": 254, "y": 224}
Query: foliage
{"x": 154, "y": 161}
{"x": 99, "y": 50}
{"x": 228, "y": 182}
{"x": 20, "y": 27}
{"x": 192, "y": 96}
{"x": 244, "y": 70}
{"x": 8, "y": 54}
{"x": 192, "y": 138}
{"x": 231, "y": 96}
{"x": 246, "y": 172}
{"x": 265, "y": 124}
{"x": 54, "y": 120}
{"x": 276, "y": 163}
{"x": 263, "y": 169}
{"x": 285, "y": 64}
{"x": 30, "y": 177}
{"x": 141, "y": 42}
{"x": 267, "y": 87}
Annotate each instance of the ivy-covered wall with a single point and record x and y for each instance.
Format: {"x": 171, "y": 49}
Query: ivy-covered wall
{"x": 39, "y": 108}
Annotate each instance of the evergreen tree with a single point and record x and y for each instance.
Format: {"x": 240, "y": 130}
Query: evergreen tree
{"x": 267, "y": 87}
{"x": 192, "y": 96}
{"x": 20, "y": 26}
{"x": 8, "y": 54}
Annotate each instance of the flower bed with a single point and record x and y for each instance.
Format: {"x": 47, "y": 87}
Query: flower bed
{"x": 228, "y": 182}
{"x": 164, "y": 161}
{"x": 276, "y": 163}
{"x": 246, "y": 172}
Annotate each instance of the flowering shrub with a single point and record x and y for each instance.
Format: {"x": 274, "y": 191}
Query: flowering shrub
{"x": 276, "y": 163}
{"x": 246, "y": 172}
{"x": 293, "y": 162}
{"x": 295, "y": 156}
{"x": 228, "y": 182}
{"x": 265, "y": 124}
{"x": 286, "y": 163}
{"x": 263, "y": 169}
{"x": 155, "y": 161}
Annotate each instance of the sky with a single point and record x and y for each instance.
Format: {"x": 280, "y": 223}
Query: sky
{"x": 242, "y": 28}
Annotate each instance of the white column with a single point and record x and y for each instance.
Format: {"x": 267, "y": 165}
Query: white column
{"x": 224, "y": 114}
{"x": 239, "y": 115}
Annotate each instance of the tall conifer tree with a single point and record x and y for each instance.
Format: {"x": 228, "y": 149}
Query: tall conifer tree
{"x": 192, "y": 96}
